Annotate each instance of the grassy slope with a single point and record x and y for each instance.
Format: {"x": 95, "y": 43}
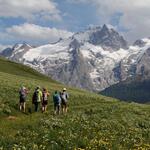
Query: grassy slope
{"x": 92, "y": 121}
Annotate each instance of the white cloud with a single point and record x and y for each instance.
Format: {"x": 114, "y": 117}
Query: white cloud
{"x": 36, "y": 34}
{"x": 135, "y": 14}
{"x": 78, "y": 1}
{"x": 30, "y": 9}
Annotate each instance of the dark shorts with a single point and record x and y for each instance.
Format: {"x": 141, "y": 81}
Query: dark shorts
{"x": 44, "y": 103}
{"x": 22, "y": 99}
{"x": 63, "y": 103}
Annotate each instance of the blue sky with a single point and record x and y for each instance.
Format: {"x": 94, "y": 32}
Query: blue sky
{"x": 78, "y": 16}
{"x": 43, "y": 21}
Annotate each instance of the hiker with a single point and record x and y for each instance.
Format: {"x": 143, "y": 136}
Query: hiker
{"x": 57, "y": 102}
{"x": 37, "y": 98}
{"x": 45, "y": 94}
{"x": 22, "y": 95}
{"x": 64, "y": 100}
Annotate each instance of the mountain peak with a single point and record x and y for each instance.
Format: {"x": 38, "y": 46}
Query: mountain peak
{"x": 104, "y": 36}
{"x": 18, "y": 48}
{"x": 108, "y": 39}
{"x": 21, "y": 46}
{"x": 105, "y": 27}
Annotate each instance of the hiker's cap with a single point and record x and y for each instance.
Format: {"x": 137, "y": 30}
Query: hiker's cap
{"x": 64, "y": 89}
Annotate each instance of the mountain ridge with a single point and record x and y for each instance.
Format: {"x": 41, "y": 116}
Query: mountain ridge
{"x": 93, "y": 59}
{"x": 131, "y": 90}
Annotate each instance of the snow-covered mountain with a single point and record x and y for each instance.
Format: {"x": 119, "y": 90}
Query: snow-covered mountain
{"x": 16, "y": 51}
{"x": 94, "y": 59}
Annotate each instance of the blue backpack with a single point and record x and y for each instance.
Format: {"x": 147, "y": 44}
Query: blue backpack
{"x": 56, "y": 98}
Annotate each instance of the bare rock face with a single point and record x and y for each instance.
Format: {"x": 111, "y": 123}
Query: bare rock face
{"x": 7, "y": 52}
{"x": 75, "y": 72}
{"x": 139, "y": 43}
{"x": 143, "y": 66}
{"x": 94, "y": 59}
{"x": 108, "y": 38}
{"x": 78, "y": 68}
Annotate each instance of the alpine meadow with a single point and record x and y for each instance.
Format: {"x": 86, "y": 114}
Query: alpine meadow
{"x": 74, "y": 74}
{"x": 92, "y": 122}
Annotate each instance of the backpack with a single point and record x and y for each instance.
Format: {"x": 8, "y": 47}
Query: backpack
{"x": 44, "y": 96}
{"x": 35, "y": 97}
{"x": 22, "y": 93}
{"x": 64, "y": 96}
{"x": 56, "y": 98}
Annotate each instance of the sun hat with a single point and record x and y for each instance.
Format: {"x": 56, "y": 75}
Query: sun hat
{"x": 64, "y": 89}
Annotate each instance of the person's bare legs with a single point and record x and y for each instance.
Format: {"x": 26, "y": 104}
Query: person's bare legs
{"x": 58, "y": 109}
{"x": 24, "y": 107}
{"x": 20, "y": 106}
{"x": 63, "y": 109}
{"x": 45, "y": 108}
{"x": 55, "y": 109}
{"x": 66, "y": 109}
{"x": 54, "y": 112}
{"x": 42, "y": 109}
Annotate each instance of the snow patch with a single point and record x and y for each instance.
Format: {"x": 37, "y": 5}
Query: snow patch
{"x": 51, "y": 51}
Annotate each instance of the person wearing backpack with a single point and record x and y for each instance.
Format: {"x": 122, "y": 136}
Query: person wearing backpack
{"x": 64, "y": 100}
{"x": 45, "y": 95}
{"x": 37, "y": 98}
{"x": 57, "y": 101}
{"x": 22, "y": 98}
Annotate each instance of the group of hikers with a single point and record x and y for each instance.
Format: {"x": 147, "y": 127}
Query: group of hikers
{"x": 40, "y": 98}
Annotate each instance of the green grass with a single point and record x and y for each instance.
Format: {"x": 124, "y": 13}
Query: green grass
{"x": 93, "y": 121}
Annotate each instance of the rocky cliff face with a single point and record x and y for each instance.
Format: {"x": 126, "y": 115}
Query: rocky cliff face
{"x": 94, "y": 59}
{"x": 136, "y": 63}
{"x": 108, "y": 39}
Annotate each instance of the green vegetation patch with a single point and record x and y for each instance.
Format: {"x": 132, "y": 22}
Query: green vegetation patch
{"x": 93, "y": 121}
